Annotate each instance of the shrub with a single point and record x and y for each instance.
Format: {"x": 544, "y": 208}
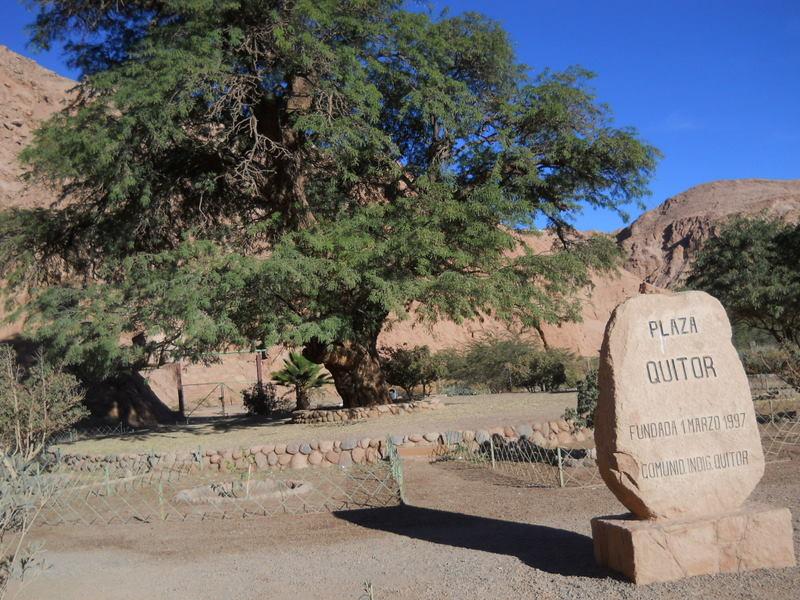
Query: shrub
{"x": 23, "y": 493}
{"x": 509, "y": 363}
{"x": 411, "y": 367}
{"x": 499, "y": 363}
{"x": 35, "y": 403}
{"x": 261, "y": 400}
{"x": 781, "y": 361}
{"x": 459, "y": 389}
{"x": 548, "y": 370}
{"x": 588, "y": 393}
{"x": 303, "y": 375}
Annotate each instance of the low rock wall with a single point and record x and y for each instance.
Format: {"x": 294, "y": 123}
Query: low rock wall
{"x": 336, "y": 415}
{"x": 325, "y": 453}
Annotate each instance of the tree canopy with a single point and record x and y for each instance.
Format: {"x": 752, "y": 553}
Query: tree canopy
{"x": 246, "y": 172}
{"x": 753, "y": 268}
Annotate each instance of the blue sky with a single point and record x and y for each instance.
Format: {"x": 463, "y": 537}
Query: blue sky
{"x": 714, "y": 84}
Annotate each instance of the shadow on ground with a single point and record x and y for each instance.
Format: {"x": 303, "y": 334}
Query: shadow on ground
{"x": 557, "y": 551}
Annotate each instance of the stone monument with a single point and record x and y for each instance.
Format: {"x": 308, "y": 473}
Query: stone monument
{"x": 678, "y": 445}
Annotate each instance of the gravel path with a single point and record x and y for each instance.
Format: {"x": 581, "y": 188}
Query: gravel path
{"x": 463, "y": 536}
{"x": 459, "y": 412}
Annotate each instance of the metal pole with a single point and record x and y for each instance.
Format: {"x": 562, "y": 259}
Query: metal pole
{"x": 560, "y": 468}
{"x": 491, "y": 449}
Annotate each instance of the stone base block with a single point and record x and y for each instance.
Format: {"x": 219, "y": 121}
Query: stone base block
{"x": 753, "y": 537}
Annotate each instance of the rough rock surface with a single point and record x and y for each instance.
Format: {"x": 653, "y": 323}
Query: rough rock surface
{"x": 675, "y": 428}
{"x": 29, "y": 94}
{"x": 754, "y": 537}
{"x": 661, "y": 244}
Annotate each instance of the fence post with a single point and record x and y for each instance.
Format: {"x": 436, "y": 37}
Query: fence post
{"x": 396, "y": 467}
{"x": 560, "y": 468}
{"x": 161, "y": 512}
{"x": 179, "y": 377}
{"x": 491, "y": 448}
{"x": 247, "y": 483}
{"x": 259, "y": 372}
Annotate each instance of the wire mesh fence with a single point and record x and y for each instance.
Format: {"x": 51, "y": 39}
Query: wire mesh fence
{"x": 74, "y": 434}
{"x": 520, "y": 462}
{"x": 780, "y": 435}
{"x": 182, "y": 494}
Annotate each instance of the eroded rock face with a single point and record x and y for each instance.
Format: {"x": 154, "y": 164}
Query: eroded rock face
{"x": 675, "y": 427}
{"x": 661, "y": 244}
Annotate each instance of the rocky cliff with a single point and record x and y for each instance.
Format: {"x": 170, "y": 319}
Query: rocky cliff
{"x": 28, "y": 95}
{"x": 661, "y": 244}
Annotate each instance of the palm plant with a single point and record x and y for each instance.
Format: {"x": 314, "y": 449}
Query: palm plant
{"x": 303, "y": 375}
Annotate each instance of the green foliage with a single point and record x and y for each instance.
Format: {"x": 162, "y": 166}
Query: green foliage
{"x": 588, "y": 393}
{"x": 411, "y": 367}
{"x": 23, "y": 493}
{"x": 753, "y": 268}
{"x": 547, "y": 370}
{"x": 458, "y": 389}
{"x": 36, "y": 403}
{"x": 503, "y": 364}
{"x": 303, "y": 375}
{"x": 254, "y": 172}
{"x": 746, "y": 337}
{"x": 497, "y": 363}
{"x": 261, "y": 400}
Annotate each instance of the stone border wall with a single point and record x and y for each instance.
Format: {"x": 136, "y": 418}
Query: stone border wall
{"x": 364, "y": 412}
{"x": 325, "y": 453}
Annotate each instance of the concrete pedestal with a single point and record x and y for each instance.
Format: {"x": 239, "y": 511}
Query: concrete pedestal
{"x": 753, "y": 537}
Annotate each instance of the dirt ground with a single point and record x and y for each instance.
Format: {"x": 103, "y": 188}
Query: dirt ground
{"x": 459, "y": 412}
{"x": 462, "y": 535}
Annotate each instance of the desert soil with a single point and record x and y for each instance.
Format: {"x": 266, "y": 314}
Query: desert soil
{"x": 462, "y": 535}
{"x": 458, "y": 413}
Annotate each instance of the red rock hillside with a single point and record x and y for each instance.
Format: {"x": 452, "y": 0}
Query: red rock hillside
{"x": 661, "y": 243}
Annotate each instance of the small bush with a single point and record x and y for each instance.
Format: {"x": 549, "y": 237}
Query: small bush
{"x": 411, "y": 367}
{"x": 261, "y": 400}
{"x": 781, "y": 361}
{"x": 504, "y": 364}
{"x": 548, "y": 370}
{"x": 588, "y": 393}
{"x": 459, "y": 389}
{"x": 302, "y": 375}
{"x": 36, "y": 403}
{"x": 23, "y": 493}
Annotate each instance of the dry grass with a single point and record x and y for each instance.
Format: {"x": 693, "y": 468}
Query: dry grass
{"x": 459, "y": 412}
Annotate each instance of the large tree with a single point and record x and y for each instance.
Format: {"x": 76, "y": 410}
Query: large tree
{"x": 256, "y": 171}
{"x": 753, "y": 268}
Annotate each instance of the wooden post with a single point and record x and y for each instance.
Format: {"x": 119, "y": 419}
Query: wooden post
{"x": 181, "y": 407}
{"x": 259, "y": 371}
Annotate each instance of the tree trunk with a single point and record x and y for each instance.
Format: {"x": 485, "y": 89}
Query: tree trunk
{"x": 302, "y": 398}
{"x": 356, "y": 371}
